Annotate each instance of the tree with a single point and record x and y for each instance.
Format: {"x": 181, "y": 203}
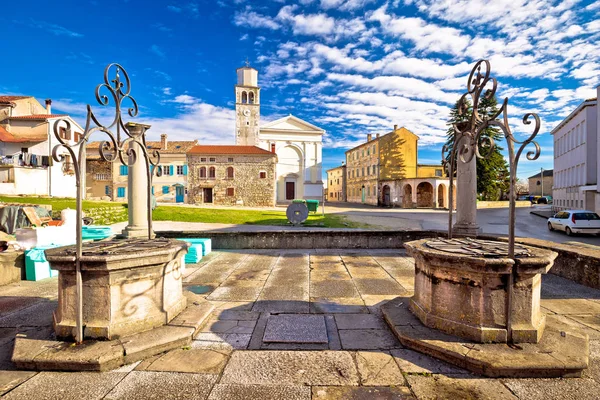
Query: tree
{"x": 522, "y": 186}
{"x": 492, "y": 171}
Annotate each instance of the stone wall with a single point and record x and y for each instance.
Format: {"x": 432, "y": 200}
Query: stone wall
{"x": 249, "y": 189}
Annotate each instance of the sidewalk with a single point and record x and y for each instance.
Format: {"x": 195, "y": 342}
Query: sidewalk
{"x": 252, "y": 346}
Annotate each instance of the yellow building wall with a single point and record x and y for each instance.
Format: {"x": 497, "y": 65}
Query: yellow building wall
{"x": 398, "y": 155}
{"x": 429, "y": 171}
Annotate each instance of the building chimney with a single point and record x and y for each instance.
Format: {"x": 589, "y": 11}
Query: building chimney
{"x": 395, "y": 127}
{"x": 48, "y": 106}
{"x": 369, "y": 137}
{"x": 377, "y": 136}
{"x": 163, "y": 141}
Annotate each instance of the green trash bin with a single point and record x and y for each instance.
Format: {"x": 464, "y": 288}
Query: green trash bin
{"x": 312, "y": 205}
{"x": 299, "y": 201}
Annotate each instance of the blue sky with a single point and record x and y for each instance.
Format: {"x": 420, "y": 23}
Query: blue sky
{"x": 351, "y": 67}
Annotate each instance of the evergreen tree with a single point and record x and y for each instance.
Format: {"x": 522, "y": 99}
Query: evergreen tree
{"x": 492, "y": 171}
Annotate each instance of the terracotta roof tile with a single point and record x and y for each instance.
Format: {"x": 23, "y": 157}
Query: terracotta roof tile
{"x": 228, "y": 149}
{"x": 39, "y": 116}
{"x": 10, "y": 99}
{"x": 173, "y": 147}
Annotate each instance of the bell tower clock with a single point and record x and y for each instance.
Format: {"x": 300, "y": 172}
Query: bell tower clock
{"x": 247, "y": 107}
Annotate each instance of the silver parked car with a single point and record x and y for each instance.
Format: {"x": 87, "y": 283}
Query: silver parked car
{"x": 575, "y": 221}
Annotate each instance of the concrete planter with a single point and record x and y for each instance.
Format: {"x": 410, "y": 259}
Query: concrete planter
{"x": 467, "y": 296}
{"x": 129, "y": 286}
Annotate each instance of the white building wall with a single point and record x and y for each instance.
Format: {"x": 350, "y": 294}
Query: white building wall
{"x": 60, "y": 183}
{"x": 575, "y": 161}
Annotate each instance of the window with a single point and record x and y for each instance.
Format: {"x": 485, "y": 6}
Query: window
{"x": 368, "y": 190}
{"x": 230, "y": 159}
{"x": 121, "y": 192}
{"x": 363, "y": 171}
{"x": 272, "y": 147}
{"x": 368, "y": 170}
{"x": 438, "y": 172}
{"x": 165, "y": 190}
{"x": 331, "y": 182}
{"x": 230, "y": 192}
{"x": 180, "y": 170}
{"x": 331, "y": 195}
{"x": 244, "y": 97}
{"x": 211, "y": 173}
{"x": 123, "y": 170}
{"x": 107, "y": 190}
{"x": 263, "y": 174}
{"x": 202, "y": 172}
{"x": 167, "y": 169}
{"x": 374, "y": 150}
{"x": 212, "y": 159}
{"x": 251, "y": 98}
{"x": 230, "y": 173}
{"x": 202, "y": 159}
{"x": 374, "y": 169}
{"x": 64, "y": 134}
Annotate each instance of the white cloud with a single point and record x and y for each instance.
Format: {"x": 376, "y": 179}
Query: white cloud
{"x": 254, "y": 20}
{"x": 157, "y": 50}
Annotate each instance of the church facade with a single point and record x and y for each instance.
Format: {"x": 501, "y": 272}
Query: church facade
{"x": 297, "y": 144}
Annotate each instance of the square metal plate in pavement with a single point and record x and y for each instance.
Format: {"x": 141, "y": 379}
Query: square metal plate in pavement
{"x": 295, "y": 328}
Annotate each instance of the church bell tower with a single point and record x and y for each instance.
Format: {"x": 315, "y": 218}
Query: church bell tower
{"x": 247, "y": 107}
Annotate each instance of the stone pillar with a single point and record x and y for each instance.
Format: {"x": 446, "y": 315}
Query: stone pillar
{"x": 466, "y": 200}
{"x": 137, "y": 189}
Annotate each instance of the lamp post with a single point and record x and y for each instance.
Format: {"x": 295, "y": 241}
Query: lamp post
{"x": 542, "y": 179}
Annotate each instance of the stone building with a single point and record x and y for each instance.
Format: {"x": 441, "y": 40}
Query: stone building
{"x": 108, "y": 181}
{"x": 26, "y": 143}
{"x": 541, "y": 183}
{"x": 297, "y": 143}
{"x": 384, "y": 171}
{"x": 231, "y": 175}
{"x": 336, "y": 184}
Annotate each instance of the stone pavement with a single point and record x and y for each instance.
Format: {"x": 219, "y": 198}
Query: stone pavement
{"x": 292, "y": 324}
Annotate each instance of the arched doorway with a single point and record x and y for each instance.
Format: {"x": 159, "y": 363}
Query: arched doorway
{"x": 441, "y": 195}
{"x": 386, "y": 196}
{"x": 425, "y": 195}
{"x": 407, "y": 196}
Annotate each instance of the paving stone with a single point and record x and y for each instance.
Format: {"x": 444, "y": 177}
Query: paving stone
{"x": 360, "y": 393}
{"x": 250, "y": 275}
{"x": 12, "y": 379}
{"x": 571, "y": 306}
{"x": 593, "y": 370}
{"x": 163, "y": 385}
{"x": 237, "y": 315}
{"x": 282, "y": 306}
{"x": 467, "y": 387}
{"x": 193, "y": 316}
{"x": 574, "y": 323}
{"x": 39, "y": 314}
{"x": 228, "y": 326}
{"x": 333, "y": 335}
{"x": 128, "y": 367}
{"x": 158, "y": 340}
{"x": 359, "y": 321}
{"x": 296, "y": 329}
{"x": 328, "y": 275}
{"x": 243, "y": 283}
{"x": 235, "y": 340}
{"x": 378, "y": 286}
{"x": 333, "y": 288}
{"x": 564, "y": 389}
{"x": 378, "y": 369}
{"x": 413, "y": 362}
{"x": 352, "y": 305}
{"x": 259, "y": 331}
{"x": 284, "y": 292}
{"x": 259, "y": 392}
{"x": 235, "y": 293}
{"x": 66, "y": 386}
{"x": 11, "y": 304}
{"x": 376, "y": 301}
{"x": 368, "y": 339}
{"x": 291, "y": 368}
{"x": 232, "y": 305}
{"x": 191, "y": 360}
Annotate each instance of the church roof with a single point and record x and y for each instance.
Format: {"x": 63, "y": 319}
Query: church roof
{"x": 229, "y": 149}
{"x": 293, "y": 124}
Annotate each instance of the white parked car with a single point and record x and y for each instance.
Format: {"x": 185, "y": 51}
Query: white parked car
{"x": 575, "y": 221}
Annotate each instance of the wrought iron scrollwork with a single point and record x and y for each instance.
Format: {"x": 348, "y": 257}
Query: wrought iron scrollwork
{"x": 120, "y": 144}
{"x": 469, "y": 136}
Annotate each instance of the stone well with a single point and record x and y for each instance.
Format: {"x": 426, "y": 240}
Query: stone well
{"x": 129, "y": 286}
{"x": 462, "y": 288}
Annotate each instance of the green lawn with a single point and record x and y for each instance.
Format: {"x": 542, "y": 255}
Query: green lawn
{"x": 102, "y": 215}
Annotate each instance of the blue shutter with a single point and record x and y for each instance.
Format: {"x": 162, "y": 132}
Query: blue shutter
{"x": 152, "y": 169}
{"x": 185, "y": 169}
{"x": 171, "y": 170}
{"x": 152, "y": 189}
{"x": 165, "y": 190}
{"x": 121, "y": 192}
{"x": 123, "y": 170}
{"x": 106, "y": 190}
